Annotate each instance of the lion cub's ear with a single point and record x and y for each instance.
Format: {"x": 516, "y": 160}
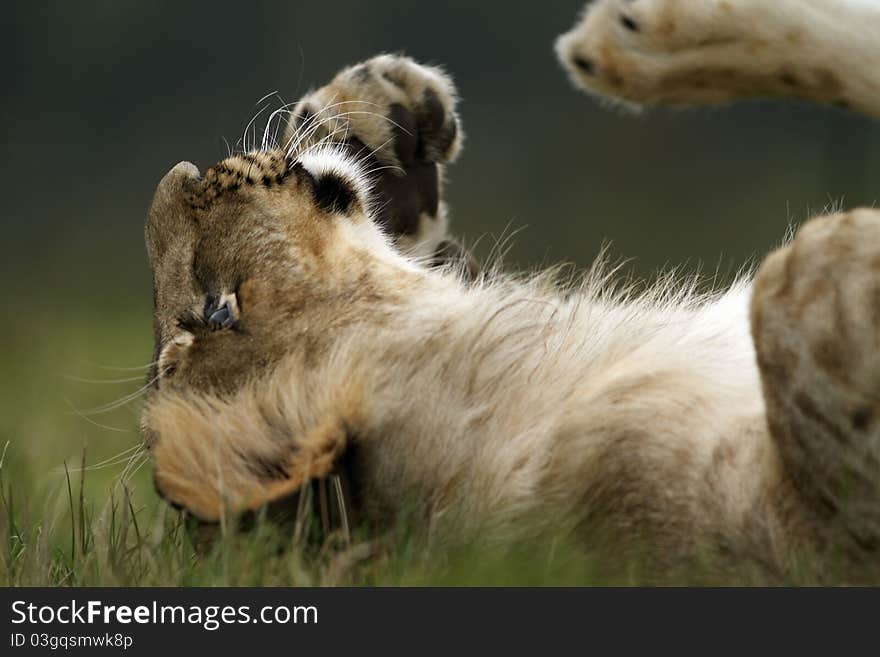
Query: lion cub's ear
{"x": 219, "y": 458}
{"x": 335, "y": 194}
{"x": 338, "y": 183}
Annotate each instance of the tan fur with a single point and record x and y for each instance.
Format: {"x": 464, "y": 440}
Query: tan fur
{"x": 741, "y": 429}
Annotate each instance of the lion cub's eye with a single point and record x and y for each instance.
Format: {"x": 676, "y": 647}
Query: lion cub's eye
{"x": 221, "y": 312}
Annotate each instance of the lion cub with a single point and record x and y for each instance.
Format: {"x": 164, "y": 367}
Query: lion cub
{"x": 312, "y": 317}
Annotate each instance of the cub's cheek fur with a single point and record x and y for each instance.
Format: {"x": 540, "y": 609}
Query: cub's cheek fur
{"x": 218, "y": 458}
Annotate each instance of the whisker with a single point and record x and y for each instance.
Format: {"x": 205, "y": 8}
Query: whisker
{"x": 134, "y": 471}
{"x": 83, "y": 416}
{"x": 137, "y": 459}
{"x": 308, "y": 128}
{"x": 394, "y": 167}
{"x": 251, "y": 123}
{"x": 80, "y": 379}
{"x": 280, "y": 123}
{"x": 372, "y": 153}
{"x": 272, "y": 116}
{"x": 323, "y": 116}
{"x": 341, "y": 115}
{"x": 122, "y": 457}
{"x": 122, "y": 401}
{"x": 114, "y": 368}
{"x": 271, "y": 93}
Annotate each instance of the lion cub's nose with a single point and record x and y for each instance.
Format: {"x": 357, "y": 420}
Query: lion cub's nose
{"x": 221, "y": 318}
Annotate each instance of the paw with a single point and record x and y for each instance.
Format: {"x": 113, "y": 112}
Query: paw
{"x": 219, "y": 460}
{"x": 398, "y": 119}
{"x": 682, "y": 52}
{"x": 816, "y": 322}
{"x": 172, "y": 355}
{"x": 819, "y": 297}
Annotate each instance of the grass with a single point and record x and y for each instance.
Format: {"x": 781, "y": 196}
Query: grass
{"x": 76, "y": 542}
{"x": 71, "y": 535}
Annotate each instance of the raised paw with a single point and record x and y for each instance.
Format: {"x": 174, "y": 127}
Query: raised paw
{"x": 816, "y": 327}
{"x": 398, "y": 119}
{"x": 686, "y": 52}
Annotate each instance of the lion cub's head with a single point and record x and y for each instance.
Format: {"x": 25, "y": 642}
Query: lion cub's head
{"x": 264, "y": 259}
{"x": 261, "y": 255}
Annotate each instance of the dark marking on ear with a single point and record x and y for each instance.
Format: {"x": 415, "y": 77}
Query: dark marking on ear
{"x": 334, "y": 194}
{"x": 295, "y": 167}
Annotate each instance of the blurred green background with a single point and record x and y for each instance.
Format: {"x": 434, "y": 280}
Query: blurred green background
{"x": 101, "y": 98}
